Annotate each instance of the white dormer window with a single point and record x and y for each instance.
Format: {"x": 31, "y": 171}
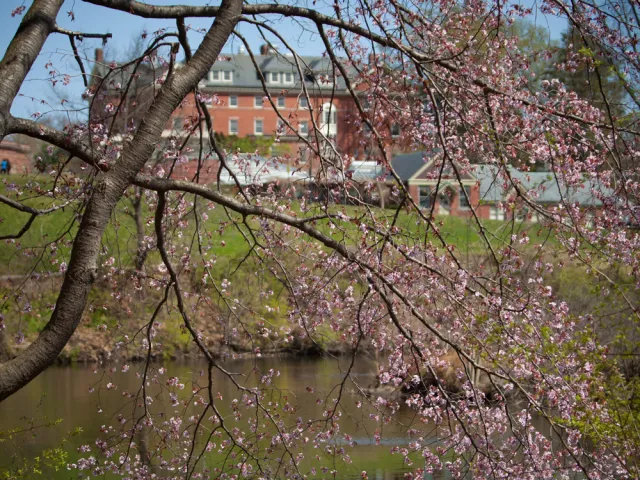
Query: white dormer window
{"x": 326, "y": 80}
{"x": 274, "y": 77}
{"x": 287, "y": 77}
{"x": 221, "y": 76}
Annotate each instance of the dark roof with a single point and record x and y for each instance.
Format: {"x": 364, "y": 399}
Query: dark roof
{"x": 145, "y": 75}
{"x": 317, "y": 70}
{"x": 407, "y": 164}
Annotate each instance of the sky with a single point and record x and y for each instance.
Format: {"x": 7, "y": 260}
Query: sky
{"x": 125, "y": 28}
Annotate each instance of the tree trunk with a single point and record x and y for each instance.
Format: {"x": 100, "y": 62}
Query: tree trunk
{"x": 141, "y": 247}
{"x": 82, "y": 271}
{"x": 5, "y": 349}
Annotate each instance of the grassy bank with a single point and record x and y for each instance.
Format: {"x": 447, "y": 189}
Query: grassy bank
{"x": 116, "y": 308}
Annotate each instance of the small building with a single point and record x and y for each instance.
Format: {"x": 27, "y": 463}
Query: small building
{"x": 433, "y": 187}
{"x": 493, "y": 192}
{"x": 497, "y": 190}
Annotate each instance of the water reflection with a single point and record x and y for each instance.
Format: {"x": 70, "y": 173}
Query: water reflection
{"x": 62, "y": 392}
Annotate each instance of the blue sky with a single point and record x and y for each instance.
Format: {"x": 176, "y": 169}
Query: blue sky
{"x": 124, "y": 27}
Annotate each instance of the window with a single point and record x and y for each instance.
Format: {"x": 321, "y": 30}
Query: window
{"x": 233, "y": 100}
{"x": 330, "y": 116}
{"x": 178, "y": 123}
{"x": 257, "y": 101}
{"x": 496, "y": 213}
{"x": 463, "y": 202}
{"x": 288, "y": 78}
{"x": 280, "y": 102}
{"x": 303, "y": 102}
{"x": 281, "y": 127}
{"x": 424, "y": 194}
{"x": 221, "y": 76}
{"x": 303, "y": 128}
{"x": 329, "y": 119}
{"x": 233, "y": 126}
{"x": 275, "y": 77}
{"x": 395, "y": 130}
{"x": 258, "y": 126}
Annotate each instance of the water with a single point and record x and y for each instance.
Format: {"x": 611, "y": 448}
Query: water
{"x": 62, "y": 393}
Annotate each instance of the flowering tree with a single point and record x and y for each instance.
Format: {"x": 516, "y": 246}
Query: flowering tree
{"x": 517, "y": 381}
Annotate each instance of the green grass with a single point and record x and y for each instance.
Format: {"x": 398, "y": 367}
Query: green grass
{"x": 226, "y": 240}
{"x": 225, "y": 246}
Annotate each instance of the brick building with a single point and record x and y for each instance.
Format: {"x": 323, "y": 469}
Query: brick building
{"x": 240, "y": 107}
{"x": 303, "y": 89}
{"x": 421, "y": 176}
{"x": 19, "y": 156}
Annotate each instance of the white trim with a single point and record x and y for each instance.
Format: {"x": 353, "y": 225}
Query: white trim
{"x": 237, "y": 126}
{"x": 461, "y": 197}
{"x": 230, "y": 105}
{"x": 329, "y": 119}
{"x": 221, "y": 74}
{"x": 444, "y": 182}
{"x": 255, "y": 126}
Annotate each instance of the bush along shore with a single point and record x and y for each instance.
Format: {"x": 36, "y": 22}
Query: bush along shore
{"x": 118, "y": 329}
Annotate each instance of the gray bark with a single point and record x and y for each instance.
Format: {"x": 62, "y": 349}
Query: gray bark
{"x": 141, "y": 248}
{"x": 83, "y": 263}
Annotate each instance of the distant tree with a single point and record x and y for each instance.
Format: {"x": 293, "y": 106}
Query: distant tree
{"x": 50, "y": 157}
{"x": 585, "y": 69}
{"x": 234, "y": 143}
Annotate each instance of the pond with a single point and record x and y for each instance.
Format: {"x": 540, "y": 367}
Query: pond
{"x": 63, "y": 393}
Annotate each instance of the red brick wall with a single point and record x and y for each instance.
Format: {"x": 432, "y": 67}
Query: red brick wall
{"x": 246, "y": 113}
{"x": 483, "y": 211}
{"x": 187, "y": 171}
{"x": 18, "y": 155}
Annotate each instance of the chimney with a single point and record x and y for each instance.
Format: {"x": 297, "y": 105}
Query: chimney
{"x": 99, "y": 55}
{"x": 264, "y": 49}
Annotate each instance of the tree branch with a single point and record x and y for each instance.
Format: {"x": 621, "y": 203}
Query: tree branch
{"x": 82, "y": 269}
